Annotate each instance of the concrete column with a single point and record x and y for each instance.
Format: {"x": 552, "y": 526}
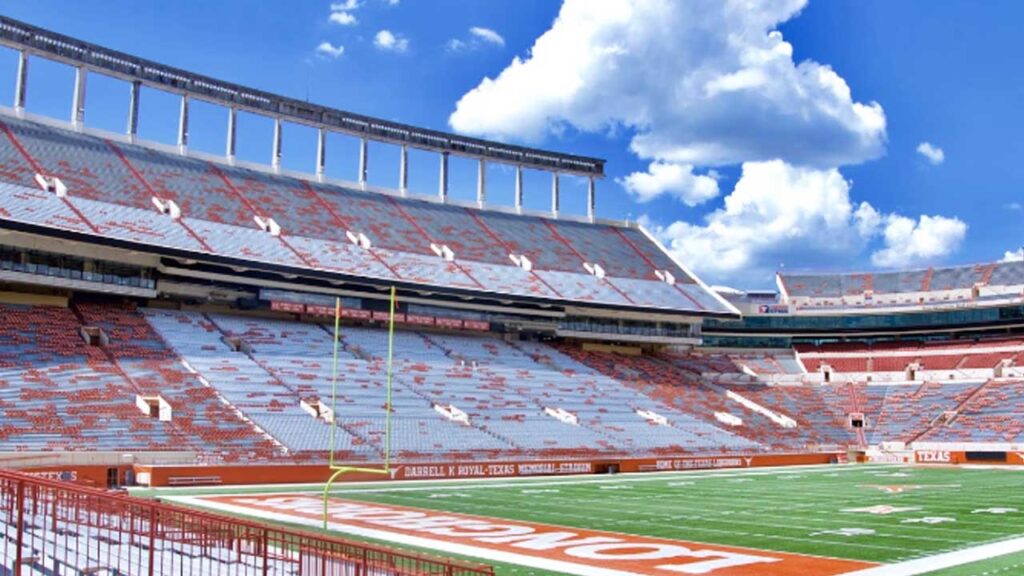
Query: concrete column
{"x": 591, "y": 199}
{"x": 275, "y": 160}
{"x": 321, "y": 154}
{"x": 183, "y": 125}
{"x": 133, "y": 109}
{"x": 364, "y": 159}
{"x": 403, "y": 171}
{"x": 554, "y": 194}
{"x": 442, "y": 184}
{"x": 519, "y": 189}
{"x": 78, "y": 97}
{"x": 481, "y": 183}
{"x": 230, "y": 147}
{"x": 21, "y": 84}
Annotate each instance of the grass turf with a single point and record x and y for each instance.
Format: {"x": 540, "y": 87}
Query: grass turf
{"x": 799, "y": 510}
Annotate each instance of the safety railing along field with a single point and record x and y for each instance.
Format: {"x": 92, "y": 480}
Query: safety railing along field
{"x": 51, "y": 527}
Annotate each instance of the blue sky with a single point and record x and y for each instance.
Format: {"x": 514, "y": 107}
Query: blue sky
{"x": 747, "y": 136}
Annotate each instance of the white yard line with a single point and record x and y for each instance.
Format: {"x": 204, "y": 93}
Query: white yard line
{"x": 945, "y": 560}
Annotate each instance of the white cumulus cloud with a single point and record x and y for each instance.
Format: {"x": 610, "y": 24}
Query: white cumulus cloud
{"x": 1014, "y": 256}
{"x": 390, "y": 42}
{"x": 343, "y": 18}
{"x": 702, "y": 82}
{"x": 487, "y": 35}
{"x": 477, "y": 38}
{"x": 779, "y": 213}
{"x": 774, "y": 211}
{"x": 329, "y": 50}
{"x": 932, "y": 153}
{"x": 675, "y": 179}
{"x": 909, "y": 242}
{"x": 342, "y": 12}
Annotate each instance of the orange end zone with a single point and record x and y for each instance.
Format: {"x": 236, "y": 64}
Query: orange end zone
{"x": 544, "y": 546}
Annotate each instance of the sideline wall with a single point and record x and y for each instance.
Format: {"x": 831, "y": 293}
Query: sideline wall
{"x": 302, "y": 474}
{"x": 1008, "y": 458}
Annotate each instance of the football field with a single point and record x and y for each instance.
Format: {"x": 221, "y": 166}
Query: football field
{"x": 866, "y": 520}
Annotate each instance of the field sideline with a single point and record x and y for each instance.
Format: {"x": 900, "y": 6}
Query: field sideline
{"x": 758, "y": 521}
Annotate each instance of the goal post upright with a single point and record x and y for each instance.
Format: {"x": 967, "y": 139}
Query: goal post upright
{"x": 334, "y": 376}
{"x": 387, "y": 401}
{"x": 336, "y": 470}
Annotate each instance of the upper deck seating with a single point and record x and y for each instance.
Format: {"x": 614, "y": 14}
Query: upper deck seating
{"x": 457, "y": 228}
{"x": 1008, "y": 274}
{"x": 114, "y": 190}
{"x": 922, "y": 287}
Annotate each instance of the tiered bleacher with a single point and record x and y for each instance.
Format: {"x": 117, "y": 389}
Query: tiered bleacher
{"x": 58, "y": 393}
{"x": 259, "y": 389}
{"x": 472, "y": 396}
{"x": 992, "y": 413}
{"x": 110, "y": 376}
{"x": 781, "y": 417}
{"x": 162, "y": 201}
{"x": 938, "y": 287}
{"x": 944, "y": 359}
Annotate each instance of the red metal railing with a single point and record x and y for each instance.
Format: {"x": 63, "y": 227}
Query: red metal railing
{"x": 59, "y": 528}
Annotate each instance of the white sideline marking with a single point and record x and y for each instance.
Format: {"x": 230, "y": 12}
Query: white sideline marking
{"x": 945, "y": 560}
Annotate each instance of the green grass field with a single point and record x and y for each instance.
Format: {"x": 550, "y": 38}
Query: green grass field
{"x": 816, "y": 510}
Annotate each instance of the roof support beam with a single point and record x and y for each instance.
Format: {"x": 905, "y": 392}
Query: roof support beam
{"x": 519, "y": 189}
{"x": 275, "y": 159}
{"x": 481, "y": 183}
{"x": 442, "y": 182}
{"x": 403, "y": 171}
{"x": 591, "y": 199}
{"x": 554, "y": 194}
{"x": 78, "y": 97}
{"x": 321, "y": 154}
{"x": 364, "y": 160}
{"x": 183, "y": 125}
{"x": 133, "y": 110}
{"x": 232, "y": 133}
{"x": 21, "y": 84}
